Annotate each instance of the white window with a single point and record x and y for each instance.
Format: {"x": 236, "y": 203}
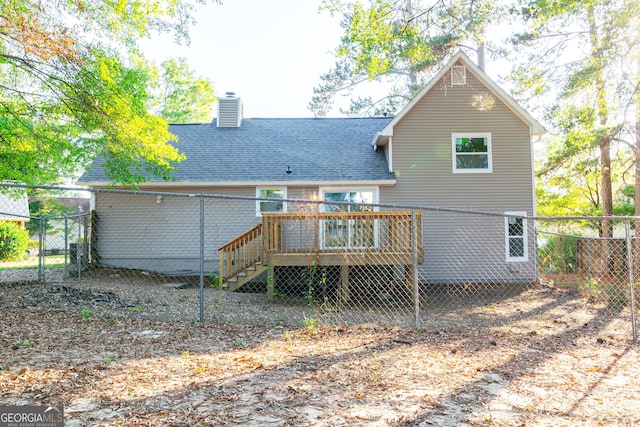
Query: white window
{"x": 349, "y": 234}
{"x": 271, "y": 205}
{"x": 471, "y": 152}
{"x": 516, "y": 237}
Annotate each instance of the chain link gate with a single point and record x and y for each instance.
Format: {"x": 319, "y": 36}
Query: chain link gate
{"x": 63, "y": 248}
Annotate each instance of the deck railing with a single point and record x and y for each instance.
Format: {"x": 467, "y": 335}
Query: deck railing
{"x": 330, "y": 238}
{"x": 337, "y": 232}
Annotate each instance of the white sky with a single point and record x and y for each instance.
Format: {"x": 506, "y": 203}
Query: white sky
{"x": 270, "y": 53}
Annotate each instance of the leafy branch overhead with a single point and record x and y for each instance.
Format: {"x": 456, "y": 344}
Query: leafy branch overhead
{"x": 175, "y": 93}
{"x": 577, "y": 62}
{"x": 66, "y": 97}
{"x": 399, "y": 43}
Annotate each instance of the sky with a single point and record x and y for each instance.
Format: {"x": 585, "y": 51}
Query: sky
{"x": 270, "y": 53}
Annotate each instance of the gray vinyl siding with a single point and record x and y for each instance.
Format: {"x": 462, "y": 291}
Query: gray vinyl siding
{"x": 463, "y": 248}
{"x": 301, "y": 193}
{"x": 136, "y": 232}
{"x": 387, "y": 154}
{"x": 468, "y": 248}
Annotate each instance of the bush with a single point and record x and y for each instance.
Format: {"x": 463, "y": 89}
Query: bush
{"x": 558, "y": 254}
{"x": 14, "y": 241}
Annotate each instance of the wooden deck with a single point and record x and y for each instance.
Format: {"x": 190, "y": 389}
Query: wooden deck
{"x": 322, "y": 239}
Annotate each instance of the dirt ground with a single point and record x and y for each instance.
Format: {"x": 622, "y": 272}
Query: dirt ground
{"x": 122, "y": 351}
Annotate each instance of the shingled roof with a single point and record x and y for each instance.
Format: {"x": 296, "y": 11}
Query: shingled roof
{"x": 317, "y": 150}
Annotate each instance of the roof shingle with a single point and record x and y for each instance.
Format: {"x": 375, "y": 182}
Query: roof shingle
{"x": 316, "y": 149}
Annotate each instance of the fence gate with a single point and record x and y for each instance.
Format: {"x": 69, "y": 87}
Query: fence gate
{"x": 64, "y": 249}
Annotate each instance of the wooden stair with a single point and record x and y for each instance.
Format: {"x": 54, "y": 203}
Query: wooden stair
{"x": 243, "y": 277}
{"x": 241, "y": 259}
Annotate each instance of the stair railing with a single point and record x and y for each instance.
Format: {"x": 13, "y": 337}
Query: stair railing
{"x": 240, "y": 253}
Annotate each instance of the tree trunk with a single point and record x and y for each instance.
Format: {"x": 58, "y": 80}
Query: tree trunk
{"x": 606, "y": 230}
{"x": 607, "y": 195}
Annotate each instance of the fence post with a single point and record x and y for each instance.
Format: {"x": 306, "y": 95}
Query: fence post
{"x": 589, "y": 261}
{"x": 627, "y": 232}
{"x": 66, "y": 246}
{"x": 414, "y": 244}
{"x": 80, "y": 256}
{"x": 41, "y": 246}
{"x": 201, "y": 258}
{"x": 535, "y": 255}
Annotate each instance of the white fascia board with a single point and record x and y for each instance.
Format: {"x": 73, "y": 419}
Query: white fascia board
{"x": 382, "y": 138}
{"x": 387, "y": 182}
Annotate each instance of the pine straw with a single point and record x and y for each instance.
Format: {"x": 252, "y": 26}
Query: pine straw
{"x": 122, "y": 353}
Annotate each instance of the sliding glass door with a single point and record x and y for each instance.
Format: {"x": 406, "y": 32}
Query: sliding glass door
{"x": 349, "y": 233}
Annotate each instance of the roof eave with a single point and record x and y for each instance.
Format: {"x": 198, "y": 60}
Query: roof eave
{"x": 309, "y": 183}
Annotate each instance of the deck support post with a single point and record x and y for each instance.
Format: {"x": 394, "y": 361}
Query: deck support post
{"x": 408, "y": 278}
{"x": 344, "y": 291}
{"x": 271, "y": 282}
{"x": 221, "y": 272}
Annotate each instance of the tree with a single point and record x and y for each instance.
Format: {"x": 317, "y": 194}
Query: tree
{"x": 577, "y": 54}
{"x": 569, "y": 180}
{"x": 14, "y": 241}
{"x": 65, "y": 97}
{"x": 177, "y": 95}
{"x": 397, "y": 43}
{"x": 45, "y": 204}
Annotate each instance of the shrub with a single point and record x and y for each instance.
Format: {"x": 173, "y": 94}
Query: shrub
{"x": 558, "y": 254}
{"x": 14, "y": 241}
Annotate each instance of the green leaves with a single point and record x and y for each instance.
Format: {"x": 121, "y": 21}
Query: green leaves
{"x": 578, "y": 64}
{"x": 65, "y": 96}
{"x": 396, "y": 43}
{"x": 180, "y": 97}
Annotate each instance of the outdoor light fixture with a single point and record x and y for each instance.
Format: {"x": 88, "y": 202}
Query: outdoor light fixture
{"x": 159, "y": 199}
{"x": 289, "y": 170}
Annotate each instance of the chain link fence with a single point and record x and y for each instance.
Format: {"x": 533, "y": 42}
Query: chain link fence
{"x": 333, "y": 261}
{"x": 572, "y": 252}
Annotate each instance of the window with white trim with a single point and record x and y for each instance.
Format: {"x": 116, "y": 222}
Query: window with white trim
{"x": 349, "y": 234}
{"x": 271, "y": 205}
{"x": 471, "y": 152}
{"x": 516, "y": 237}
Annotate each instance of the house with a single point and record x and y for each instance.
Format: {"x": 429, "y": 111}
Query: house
{"x": 461, "y": 143}
{"x": 14, "y": 206}
{"x": 76, "y": 204}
